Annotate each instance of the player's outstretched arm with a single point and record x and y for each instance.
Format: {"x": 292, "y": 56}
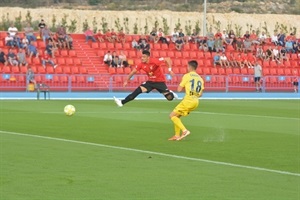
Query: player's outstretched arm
{"x": 169, "y": 65}
{"x": 129, "y": 77}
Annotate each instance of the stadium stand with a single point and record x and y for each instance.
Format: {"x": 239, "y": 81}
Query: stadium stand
{"x": 83, "y": 67}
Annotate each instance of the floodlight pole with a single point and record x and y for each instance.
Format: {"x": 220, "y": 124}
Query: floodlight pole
{"x": 204, "y": 18}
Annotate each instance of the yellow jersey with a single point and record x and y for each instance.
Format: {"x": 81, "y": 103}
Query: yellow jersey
{"x": 193, "y": 84}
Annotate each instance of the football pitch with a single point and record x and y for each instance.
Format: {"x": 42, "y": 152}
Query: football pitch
{"x": 238, "y": 149}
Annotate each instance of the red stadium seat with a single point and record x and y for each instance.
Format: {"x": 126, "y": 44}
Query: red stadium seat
{"x": 15, "y": 70}
{"x": 214, "y": 71}
{"x": 186, "y": 54}
{"x": 208, "y": 63}
{"x": 120, "y": 71}
{"x": 132, "y": 54}
{"x": 80, "y": 79}
{"x": 23, "y": 70}
{"x": 163, "y": 54}
{"x": 157, "y": 46}
{"x": 266, "y": 71}
{"x": 21, "y": 79}
{"x": 61, "y": 61}
{"x": 95, "y": 45}
{"x": 221, "y": 71}
{"x": 236, "y": 71}
{"x": 119, "y": 46}
{"x": 266, "y": 64}
{"x": 127, "y": 46}
{"x": 69, "y": 61}
{"x": 206, "y": 70}
{"x": 64, "y": 53}
{"x": 36, "y": 61}
{"x": 58, "y": 70}
{"x": 178, "y": 54}
{"x": 280, "y": 71}
{"x": 103, "y": 46}
{"x": 164, "y": 47}
{"x": 72, "y": 53}
{"x": 273, "y": 71}
{"x": 207, "y": 55}
{"x": 229, "y": 71}
{"x": 127, "y": 70}
{"x": 200, "y": 54}
{"x": 177, "y": 62}
{"x": 64, "y": 79}
{"x": 66, "y": 70}
{"x": 171, "y": 54}
{"x": 155, "y": 54}
{"x": 41, "y": 70}
{"x": 182, "y": 70}
{"x": 273, "y": 64}
{"x": 193, "y": 55}
{"x": 83, "y": 70}
{"x": 111, "y": 70}
{"x": 77, "y": 61}
{"x": 74, "y": 70}
{"x": 110, "y": 46}
{"x": 288, "y": 72}
{"x": 287, "y": 64}
{"x": 50, "y": 70}
{"x": 244, "y": 71}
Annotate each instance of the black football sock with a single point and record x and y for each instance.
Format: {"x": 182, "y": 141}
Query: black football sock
{"x": 132, "y": 96}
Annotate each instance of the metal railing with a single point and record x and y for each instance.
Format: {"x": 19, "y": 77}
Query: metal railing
{"x": 114, "y": 83}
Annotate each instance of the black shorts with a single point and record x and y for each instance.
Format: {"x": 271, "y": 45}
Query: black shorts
{"x": 256, "y": 79}
{"x": 161, "y": 87}
{"x": 295, "y": 83}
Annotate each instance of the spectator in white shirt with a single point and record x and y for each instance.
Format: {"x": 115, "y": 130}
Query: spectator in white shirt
{"x": 174, "y": 35}
{"x": 107, "y": 58}
{"x": 274, "y": 38}
{"x": 262, "y": 37}
{"x": 276, "y": 54}
{"x": 12, "y": 30}
{"x": 9, "y": 40}
{"x": 224, "y": 61}
{"x": 224, "y": 34}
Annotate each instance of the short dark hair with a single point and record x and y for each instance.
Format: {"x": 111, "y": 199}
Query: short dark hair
{"x": 145, "y": 52}
{"x": 193, "y": 64}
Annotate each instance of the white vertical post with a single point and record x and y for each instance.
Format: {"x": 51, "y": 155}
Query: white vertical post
{"x": 204, "y": 18}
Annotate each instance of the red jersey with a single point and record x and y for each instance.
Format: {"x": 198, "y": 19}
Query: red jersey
{"x": 121, "y": 35}
{"x": 153, "y": 69}
{"x": 108, "y": 34}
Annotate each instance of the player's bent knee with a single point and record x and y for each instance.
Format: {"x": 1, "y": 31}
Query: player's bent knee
{"x": 143, "y": 89}
{"x": 169, "y": 96}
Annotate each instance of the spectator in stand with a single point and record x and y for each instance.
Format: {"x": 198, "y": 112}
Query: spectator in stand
{"x": 29, "y": 33}
{"x": 12, "y": 30}
{"x": 218, "y": 45}
{"x": 174, "y": 35}
{"x": 218, "y": 34}
{"x": 47, "y": 60}
{"x": 210, "y": 34}
{"x": 269, "y": 54}
{"x": 17, "y": 41}
{"x": 69, "y": 41}
{"x": 61, "y": 41}
{"x": 41, "y": 26}
{"x": 274, "y": 38}
{"x": 143, "y": 45}
{"x": 123, "y": 59}
{"x": 161, "y": 37}
{"x": 281, "y": 38}
{"x": 121, "y": 37}
{"x": 262, "y": 38}
{"x": 134, "y": 44}
{"x": 203, "y": 46}
{"x": 100, "y": 36}
{"x": 32, "y": 51}
{"x": 50, "y": 49}
{"x": 115, "y": 60}
{"x": 257, "y": 76}
{"x": 61, "y": 30}
{"x": 232, "y": 61}
{"x": 224, "y": 61}
{"x": 253, "y": 38}
{"x": 153, "y": 34}
{"x": 228, "y": 41}
{"x": 114, "y": 36}
{"x": 232, "y": 37}
{"x": 296, "y": 47}
{"x": 260, "y": 53}
{"x": 239, "y": 61}
{"x": 217, "y": 59}
{"x": 247, "y": 45}
{"x": 194, "y": 37}
{"x": 251, "y": 60}
{"x": 30, "y": 77}
{"x": 283, "y": 55}
{"x": 12, "y": 58}
{"x": 46, "y": 34}
{"x": 239, "y": 45}
{"x": 89, "y": 35}
{"x": 224, "y": 34}
{"x": 9, "y": 40}
{"x": 245, "y": 61}
{"x": 291, "y": 37}
{"x": 289, "y": 46}
{"x": 108, "y": 36}
{"x": 3, "y": 58}
{"x": 107, "y": 58}
{"x": 179, "y": 43}
{"x": 210, "y": 44}
{"x": 247, "y": 35}
{"x": 21, "y": 56}
{"x": 53, "y": 38}
{"x": 25, "y": 43}
{"x": 276, "y": 54}
{"x": 181, "y": 34}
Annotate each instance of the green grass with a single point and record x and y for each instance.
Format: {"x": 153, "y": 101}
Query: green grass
{"x": 261, "y": 134}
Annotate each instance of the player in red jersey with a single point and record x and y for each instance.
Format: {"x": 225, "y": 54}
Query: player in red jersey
{"x": 156, "y": 79}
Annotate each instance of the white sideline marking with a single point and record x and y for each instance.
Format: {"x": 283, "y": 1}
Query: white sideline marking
{"x": 154, "y": 153}
{"x": 165, "y": 112}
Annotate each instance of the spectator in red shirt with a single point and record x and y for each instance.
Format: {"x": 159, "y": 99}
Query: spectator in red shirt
{"x": 253, "y": 38}
{"x": 240, "y": 61}
{"x": 89, "y": 35}
{"x": 108, "y": 36}
{"x": 218, "y": 34}
{"x": 121, "y": 37}
{"x": 100, "y": 36}
{"x": 156, "y": 79}
{"x": 46, "y": 59}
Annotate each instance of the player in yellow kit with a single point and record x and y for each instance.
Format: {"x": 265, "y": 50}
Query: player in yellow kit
{"x": 194, "y": 86}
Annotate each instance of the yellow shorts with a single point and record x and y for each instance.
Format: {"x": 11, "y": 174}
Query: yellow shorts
{"x": 185, "y": 107}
